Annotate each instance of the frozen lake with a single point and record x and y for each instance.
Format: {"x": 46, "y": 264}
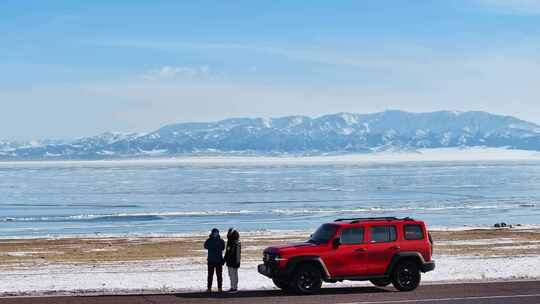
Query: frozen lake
{"x": 117, "y": 198}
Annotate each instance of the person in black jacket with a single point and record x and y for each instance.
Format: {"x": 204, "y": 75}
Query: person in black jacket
{"x": 215, "y": 246}
{"x": 232, "y": 257}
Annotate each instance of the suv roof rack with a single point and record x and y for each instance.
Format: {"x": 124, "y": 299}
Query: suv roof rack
{"x": 361, "y": 219}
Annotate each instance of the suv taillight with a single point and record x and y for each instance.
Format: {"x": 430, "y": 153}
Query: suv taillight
{"x": 430, "y": 241}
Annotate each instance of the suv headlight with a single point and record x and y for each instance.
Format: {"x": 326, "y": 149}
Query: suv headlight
{"x": 269, "y": 257}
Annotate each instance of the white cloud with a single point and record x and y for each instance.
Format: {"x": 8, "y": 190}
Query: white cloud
{"x": 173, "y": 72}
{"x": 521, "y": 7}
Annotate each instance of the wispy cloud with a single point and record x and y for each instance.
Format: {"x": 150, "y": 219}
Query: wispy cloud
{"x": 521, "y": 7}
{"x": 174, "y": 72}
{"x": 324, "y": 56}
{"x": 168, "y": 45}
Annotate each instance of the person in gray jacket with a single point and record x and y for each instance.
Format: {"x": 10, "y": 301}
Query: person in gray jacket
{"x": 232, "y": 257}
{"x": 215, "y": 246}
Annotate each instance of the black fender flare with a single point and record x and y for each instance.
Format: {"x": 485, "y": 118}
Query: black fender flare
{"x": 295, "y": 261}
{"x": 409, "y": 255}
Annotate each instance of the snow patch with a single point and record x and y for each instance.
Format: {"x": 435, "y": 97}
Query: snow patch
{"x": 267, "y": 122}
{"x": 347, "y": 131}
{"x": 296, "y": 121}
{"x": 154, "y": 152}
{"x": 106, "y": 152}
{"x": 477, "y": 242}
{"x": 420, "y": 133}
{"x": 446, "y": 138}
{"x": 366, "y": 127}
{"x": 349, "y": 119}
{"x": 49, "y": 154}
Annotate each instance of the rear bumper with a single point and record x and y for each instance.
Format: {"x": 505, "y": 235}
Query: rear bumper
{"x": 428, "y": 266}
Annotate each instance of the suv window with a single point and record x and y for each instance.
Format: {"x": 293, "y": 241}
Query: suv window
{"x": 352, "y": 236}
{"x": 413, "y": 232}
{"x": 381, "y": 234}
{"x": 323, "y": 234}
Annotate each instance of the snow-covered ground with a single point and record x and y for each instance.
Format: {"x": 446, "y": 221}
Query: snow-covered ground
{"x": 189, "y": 274}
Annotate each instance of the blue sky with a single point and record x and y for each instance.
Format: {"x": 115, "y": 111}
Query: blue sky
{"x": 77, "y": 68}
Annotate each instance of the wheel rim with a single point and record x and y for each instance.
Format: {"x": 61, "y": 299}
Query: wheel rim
{"x": 407, "y": 277}
{"x": 306, "y": 280}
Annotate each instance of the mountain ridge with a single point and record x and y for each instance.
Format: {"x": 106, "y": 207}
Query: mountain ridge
{"x": 343, "y": 132}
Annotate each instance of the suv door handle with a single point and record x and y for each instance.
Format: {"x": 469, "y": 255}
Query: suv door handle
{"x": 361, "y": 250}
{"x": 395, "y": 247}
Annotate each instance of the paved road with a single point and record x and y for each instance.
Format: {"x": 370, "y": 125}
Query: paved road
{"x": 484, "y": 293}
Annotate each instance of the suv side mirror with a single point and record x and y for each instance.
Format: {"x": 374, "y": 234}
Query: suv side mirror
{"x": 336, "y": 242}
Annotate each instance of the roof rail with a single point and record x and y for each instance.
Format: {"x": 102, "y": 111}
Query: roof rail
{"x": 388, "y": 218}
{"x": 361, "y": 219}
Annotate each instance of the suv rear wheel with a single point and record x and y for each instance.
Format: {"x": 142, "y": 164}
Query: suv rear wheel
{"x": 307, "y": 279}
{"x": 380, "y": 282}
{"x": 406, "y": 276}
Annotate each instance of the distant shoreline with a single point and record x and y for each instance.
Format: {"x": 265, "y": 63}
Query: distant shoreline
{"x": 100, "y": 236}
{"x": 420, "y": 155}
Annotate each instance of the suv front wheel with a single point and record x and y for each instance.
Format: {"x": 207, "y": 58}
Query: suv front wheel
{"x": 307, "y": 279}
{"x": 406, "y": 276}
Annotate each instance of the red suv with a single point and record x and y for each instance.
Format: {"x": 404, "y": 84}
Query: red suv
{"x": 382, "y": 250}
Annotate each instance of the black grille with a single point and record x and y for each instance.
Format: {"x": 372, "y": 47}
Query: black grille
{"x": 269, "y": 258}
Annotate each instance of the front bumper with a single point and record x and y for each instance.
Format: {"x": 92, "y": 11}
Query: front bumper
{"x": 428, "y": 266}
{"x": 272, "y": 271}
{"x": 265, "y": 270}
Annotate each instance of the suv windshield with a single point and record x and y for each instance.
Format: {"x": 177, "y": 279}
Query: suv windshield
{"x": 323, "y": 234}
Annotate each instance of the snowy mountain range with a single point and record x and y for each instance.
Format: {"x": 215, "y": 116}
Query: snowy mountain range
{"x": 330, "y": 134}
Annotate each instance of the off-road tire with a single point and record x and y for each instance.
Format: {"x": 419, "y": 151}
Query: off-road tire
{"x": 406, "y": 276}
{"x": 307, "y": 279}
{"x": 381, "y": 282}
